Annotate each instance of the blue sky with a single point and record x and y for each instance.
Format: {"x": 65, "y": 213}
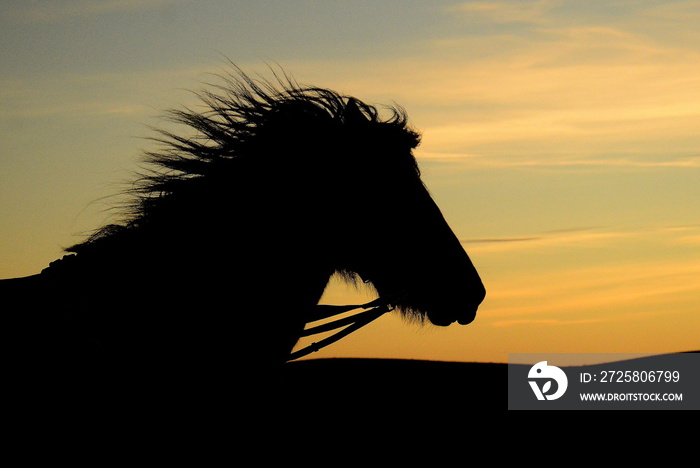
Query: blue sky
{"x": 560, "y": 138}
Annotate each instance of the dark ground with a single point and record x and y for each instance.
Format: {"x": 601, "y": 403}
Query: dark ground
{"x": 399, "y": 384}
{"x": 372, "y": 386}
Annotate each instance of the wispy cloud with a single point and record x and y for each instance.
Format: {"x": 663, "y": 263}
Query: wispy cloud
{"x": 55, "y": 12}
{"x": 601, "y": 163}
{"x": 139, "y": 94}
{"x": 551, "y": 322}
{"x": 600, "y": 276}
{"x": 689, "y": 240}
{"x": 588, "y": 238}
{"x": 577, "y": 237}
{"x": 595, "y": 90}
{"x": 505, "y": 110}
{"x": 506, "y": 12}
{"x": 499, "y": 240}
{"x": 678, "y": 11}
{"x": 691, "y": 162}
{"x": 602, "y": 292}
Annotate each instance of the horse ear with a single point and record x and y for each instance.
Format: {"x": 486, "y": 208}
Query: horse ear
{"x": 352, "y": 113}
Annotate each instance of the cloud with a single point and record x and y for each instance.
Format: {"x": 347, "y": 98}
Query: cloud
{"x": 499, "y": 240}
{"x": 56, "y": 12}
{"x": 581, "y": 238}
{"x": 506, "y": 12}
{"x": 675, "y": 11}
{"x": 588, "y": 238}
{"x": 592, "y": 89}
{"x": 604, "y": 291}
{"x": 601, "y": 163}
{"x": 580, "y": 93}
{"x": 138, "y": 94}
{"x": 596, "y": 276}
{"x": 692, "y": 240}
{"x": 551, "y": 322}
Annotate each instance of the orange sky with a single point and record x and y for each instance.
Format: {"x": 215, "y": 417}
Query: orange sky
{"x": 561, "y": 139}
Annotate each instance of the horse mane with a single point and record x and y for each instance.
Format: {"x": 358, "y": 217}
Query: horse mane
{"x": 238, "y": 115}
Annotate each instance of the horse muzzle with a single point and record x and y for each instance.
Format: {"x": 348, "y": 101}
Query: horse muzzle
{"x": 446, "y": 313}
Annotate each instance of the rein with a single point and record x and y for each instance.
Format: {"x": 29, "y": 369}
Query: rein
{"x": 376, "y": 309}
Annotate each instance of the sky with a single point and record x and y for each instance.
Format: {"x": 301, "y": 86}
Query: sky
{"x": 561, "y": 140}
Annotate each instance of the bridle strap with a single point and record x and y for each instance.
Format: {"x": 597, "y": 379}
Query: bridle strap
{"x": 324, "y": 311}
{"x": 354, "y": 322}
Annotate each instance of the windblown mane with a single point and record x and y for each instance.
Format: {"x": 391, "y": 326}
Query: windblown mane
{"x": 239, "y": 114}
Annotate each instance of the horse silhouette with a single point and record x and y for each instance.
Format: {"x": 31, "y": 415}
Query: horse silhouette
{"x": 227, "y": 242}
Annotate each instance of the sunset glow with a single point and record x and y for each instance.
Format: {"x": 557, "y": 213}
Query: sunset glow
{"x": 561, "y": 139}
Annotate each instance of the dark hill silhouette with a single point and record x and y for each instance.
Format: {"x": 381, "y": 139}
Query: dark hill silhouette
{"x": 446, "y": 389}
{"x": 399, "y": 385}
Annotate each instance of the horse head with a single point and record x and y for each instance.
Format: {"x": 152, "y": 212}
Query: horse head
{"x": 370, "y": 214}
{"x": 404, "y": 246}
